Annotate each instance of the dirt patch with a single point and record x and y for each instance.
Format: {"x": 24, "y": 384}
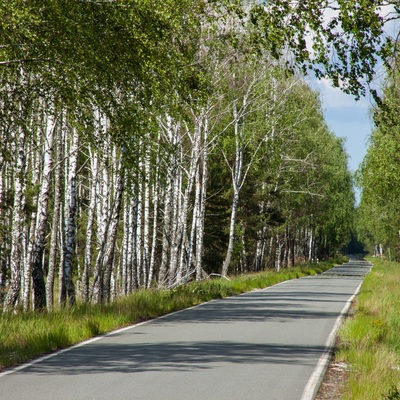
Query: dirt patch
{"x": 334, "y": 383}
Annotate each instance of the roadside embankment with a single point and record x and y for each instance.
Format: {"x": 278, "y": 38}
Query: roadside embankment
{"x": 369, "y": 341}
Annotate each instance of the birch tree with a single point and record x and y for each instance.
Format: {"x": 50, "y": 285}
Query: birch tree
{"x": 17, "y": 222}
{"x": 51, "y": 270}
{"x": 379, "y": 174}
{"x": 67, "y": 287}
{"x": 159, "y": 140}
{"x": 39, "y": 291}
{"x": 255, "y": 93}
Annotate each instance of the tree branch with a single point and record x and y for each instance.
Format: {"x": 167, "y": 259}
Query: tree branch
{"x": 26, "y": 60}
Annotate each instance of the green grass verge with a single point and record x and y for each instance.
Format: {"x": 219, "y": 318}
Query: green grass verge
{"x": 369, "y": 341}
{"x": 25, "y": 336}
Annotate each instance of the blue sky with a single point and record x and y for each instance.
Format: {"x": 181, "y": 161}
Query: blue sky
{"x": 348, "y": 119}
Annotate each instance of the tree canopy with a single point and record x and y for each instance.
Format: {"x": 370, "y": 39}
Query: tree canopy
{"x": 343, "y": 40}
{"x": 146, "y": 144}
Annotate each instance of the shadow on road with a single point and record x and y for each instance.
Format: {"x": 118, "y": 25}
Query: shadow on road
{"x": 134, "y": 351}
{"x": 166, "y": 357}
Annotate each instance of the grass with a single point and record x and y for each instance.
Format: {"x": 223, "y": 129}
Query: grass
{"x": 24, "y": 336}
{"x": 369, "y": 342}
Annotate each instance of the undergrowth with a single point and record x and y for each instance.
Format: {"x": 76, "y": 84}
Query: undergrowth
{"x": 24, "y": 336}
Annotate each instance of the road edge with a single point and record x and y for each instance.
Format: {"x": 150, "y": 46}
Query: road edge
{"x": 56, "y": 353}
{"x": 317, "y": 376}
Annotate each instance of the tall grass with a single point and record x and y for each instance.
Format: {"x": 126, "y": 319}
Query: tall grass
{"x": 369, "y": 342}
{"x": 27, "y": 335}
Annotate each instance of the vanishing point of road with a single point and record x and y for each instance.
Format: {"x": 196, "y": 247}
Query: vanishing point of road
{"x": 270, "y": 344}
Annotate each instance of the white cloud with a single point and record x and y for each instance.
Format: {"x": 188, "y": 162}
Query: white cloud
{"x": 332, "y": 97}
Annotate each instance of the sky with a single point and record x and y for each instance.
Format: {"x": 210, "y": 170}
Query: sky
{"x": 348, "y": 119}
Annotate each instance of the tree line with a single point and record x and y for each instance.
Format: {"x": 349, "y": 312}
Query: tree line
{"x": 378, "y": 176}
{"x": 145, "y": 145}
{"x": 378, "y": 214}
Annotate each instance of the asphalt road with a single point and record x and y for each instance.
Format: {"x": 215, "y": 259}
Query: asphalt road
{"x": 267, "y": 344}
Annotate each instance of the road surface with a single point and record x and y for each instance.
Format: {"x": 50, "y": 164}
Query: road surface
{"x": 267, "y": 344}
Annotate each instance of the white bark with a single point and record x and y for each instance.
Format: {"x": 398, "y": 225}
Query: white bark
{"x": 175, "y": 236}
{"x": 101, "y": 287}
{"x": 278, "y": 255}
{"x": 17, "y": 223}
{"x": 138, "y": 241}
{"x": 94, "y": 170}
{"x": 39, "y": 289}
{"x": 32, "y": 165}
{"x": 310, "y": 244}
{"x": 132, "y": 242}
{"x": 108, "y": 260}
{"x": 126, "y": 268}
{"x": 155, "y": 192}
{"x": 183, "y": 213}
{"x": 146, "y": 215}
{"x": 71, "y": 211}
{"x": 166, "y": 234}
{"x": 3, "y": 242}
{"x": 154, "y": 236}
{"x": 167, "y": 209}
{"x": 55, "y": 220}
{"x": 201, "y": 210}
{"x": 195, "y": 220}
{"x": 237, "y": 182}
{"x": 103, "y": 213}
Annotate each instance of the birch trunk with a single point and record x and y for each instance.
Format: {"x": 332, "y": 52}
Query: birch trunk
{"x": 272, "y": 252}
{"x": 195, "y": 220}
{"x": 167, "y": 209}
{"x": 244, "y": 264}
{"x": 108, "y": 267}
{"x": 278, "y": 254}
{"x": 89, "y": 226}
{"x": 103, "y": 220}
{"x": 71, "y": 211}
{"x": 154, "y": 236}
{"x": 166, "y": 236}
{"x": 126, "y": 267}
{"x": 33, "y": 151}
{"x": 236, "y": 183}
{"x": 259, "y": 250}
{"x": 102, "y": 271}
{"x": 111, "y": 240}
{"x": 155, "y": 191}
{"x": 3, "y": 241}
{"x": 138, "y": 241}
{"x": 132, "y": 242}
{"x": 176, "y": 212}
{"x": 146, "y": 216}
{"x": 183, "y": 212}
{"x": 201, "y": 210}
{"x": 17, "y": 224}
{"x": 310, "y": 244}
{"x": 55, "y": 220}
{"x": 293, "y": 248}
{"x": 38, "y": 285}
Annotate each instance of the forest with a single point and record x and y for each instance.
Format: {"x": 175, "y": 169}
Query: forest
{"x": 378, "y": 216}
{"x": 147, "y": 144}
